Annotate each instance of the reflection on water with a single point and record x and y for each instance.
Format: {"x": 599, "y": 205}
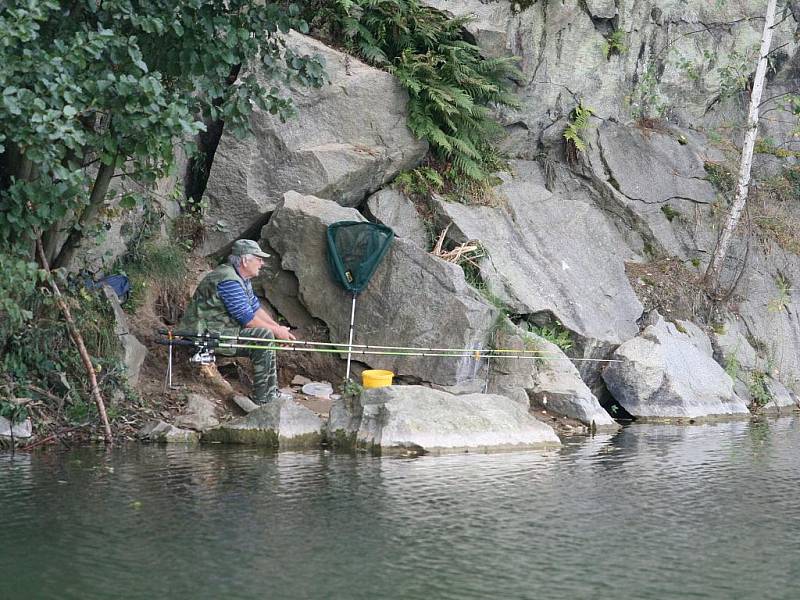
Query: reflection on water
{"x": 654, "y": 511}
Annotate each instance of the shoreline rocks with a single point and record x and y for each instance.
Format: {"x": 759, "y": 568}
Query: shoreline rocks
{"x": 668, "y": 372}
{"x": 419, "y": 420}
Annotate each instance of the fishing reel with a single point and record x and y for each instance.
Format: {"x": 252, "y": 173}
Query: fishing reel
{"x": 204, "y": 356}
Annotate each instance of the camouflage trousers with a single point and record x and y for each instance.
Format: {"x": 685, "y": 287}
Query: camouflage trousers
{"x": 265, "y": 373}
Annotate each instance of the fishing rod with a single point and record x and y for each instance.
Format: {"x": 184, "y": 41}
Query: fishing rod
{"x": 206, "y": 344}
{"x": 239, "y": 338}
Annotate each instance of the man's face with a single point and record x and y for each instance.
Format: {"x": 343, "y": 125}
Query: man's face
{"x": 250, "y": 266}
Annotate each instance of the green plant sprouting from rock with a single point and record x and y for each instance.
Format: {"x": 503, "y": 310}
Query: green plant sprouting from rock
{"x": 784, "y": 297}
{"x": 577, "y": 126}
{"x": 554, "y": 333}
{"x": 669, "y": 212}
{"x": 450, "y": 84}
{"x": 646, "y": 99}
{"x": 759, "y": 391}
{"x": 614, "y": 44}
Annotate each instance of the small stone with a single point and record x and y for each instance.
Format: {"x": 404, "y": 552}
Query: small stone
{"x": 300, "y": 380}
{"x": 22, "y": 430}
{"x": 244, "y": 403}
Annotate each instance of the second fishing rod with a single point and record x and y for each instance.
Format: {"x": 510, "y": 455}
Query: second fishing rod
{"x": 211, "y": 343}
{"x": 345, "y": 346}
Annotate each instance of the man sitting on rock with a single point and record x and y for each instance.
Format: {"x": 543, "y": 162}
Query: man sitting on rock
{"x": 224, "y": 303}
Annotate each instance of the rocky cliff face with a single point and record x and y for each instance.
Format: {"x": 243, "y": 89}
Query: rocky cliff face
{"x": 660, "y": 77}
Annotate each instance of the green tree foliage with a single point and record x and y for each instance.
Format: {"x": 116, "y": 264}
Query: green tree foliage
{"x": 94, "y": 90}
{"x": 450, "y": 84}
{"x": 88, "y": 87}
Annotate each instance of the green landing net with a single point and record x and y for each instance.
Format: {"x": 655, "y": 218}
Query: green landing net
{"x": 355, "y": 249}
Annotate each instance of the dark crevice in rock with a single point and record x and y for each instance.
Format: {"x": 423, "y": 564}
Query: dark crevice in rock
{"x": 199, "y": 167}
{"x": 542, "y": 47}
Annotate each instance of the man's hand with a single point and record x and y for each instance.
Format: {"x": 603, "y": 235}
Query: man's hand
{"x": 283, "y": 333}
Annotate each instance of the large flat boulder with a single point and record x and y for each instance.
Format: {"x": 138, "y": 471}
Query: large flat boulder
{"x": 349, "y": 139}
{"x": 551, "y": 254}
{"x": 421, "y": 419}
{"x": 662, "y": 373}
{"x": 283, "y": 425}
{"x": 413, "y": 299}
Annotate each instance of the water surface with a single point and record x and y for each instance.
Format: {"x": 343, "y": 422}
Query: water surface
{"x": 655, "y": 511}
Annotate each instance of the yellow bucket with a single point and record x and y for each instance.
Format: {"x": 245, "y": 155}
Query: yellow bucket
{"x": 375, "y": 378}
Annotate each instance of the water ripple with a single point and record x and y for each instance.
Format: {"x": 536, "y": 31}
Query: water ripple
{"x": 654, "y": 511}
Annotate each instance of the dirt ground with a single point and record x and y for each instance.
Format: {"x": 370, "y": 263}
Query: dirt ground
{"x": 673, "y": 289}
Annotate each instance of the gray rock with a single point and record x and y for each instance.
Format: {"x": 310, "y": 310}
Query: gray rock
{"x": 662, "y": 374}
{"x": 21, "y": 431}
{"x": 640, "y": 80}
{"x": 657, "y": 187}
{"x": 560, "y": 389}
{"x": 343, "y": 421}
{"x": 695, "y": 336}
{"x": 488, "y": 24}
{"x": 550, "y": 254}
{"x": 134, "y": 352}
{"x": 393, "y": 208}
{"x": 349, "y": 140}
{"x": 603, "y": 9}
{"x": 282, "y": 424}
{"x": 164, "y": 433}
{"x": 421, "y": 419}
{"x": 413, "y": 299}
{"x": 199, "y": 414}
{"x": 770, "y": 311}
{"x": 733, "y": 347}
{"x": 783, "y": 399}
{"x": 550, "y": 382}
{"x": 244, "y": 403}
{"x": 515, "y": 393}
{"x": 654, "y": 168}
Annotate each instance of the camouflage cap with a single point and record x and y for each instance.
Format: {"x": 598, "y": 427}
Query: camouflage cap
{"x": 242, "y": 247}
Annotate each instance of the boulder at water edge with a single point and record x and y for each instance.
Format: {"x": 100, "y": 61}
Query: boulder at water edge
{"x": 668, "y": 372}
{"x": 551, "y": 381}
{"x": 283, "y": 424}
{"x": 421, "y": 419}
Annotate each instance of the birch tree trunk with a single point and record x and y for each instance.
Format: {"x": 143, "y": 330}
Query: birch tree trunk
{"x": 714, "y": 270}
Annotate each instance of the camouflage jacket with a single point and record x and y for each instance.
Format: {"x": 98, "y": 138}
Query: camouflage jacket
{"x": 206, "y": 312}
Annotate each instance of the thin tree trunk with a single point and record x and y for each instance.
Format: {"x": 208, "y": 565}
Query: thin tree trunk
{"x": 714, "y": 271}
{"x": 78, "y": 339}
{"x": 99, "y": 189}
